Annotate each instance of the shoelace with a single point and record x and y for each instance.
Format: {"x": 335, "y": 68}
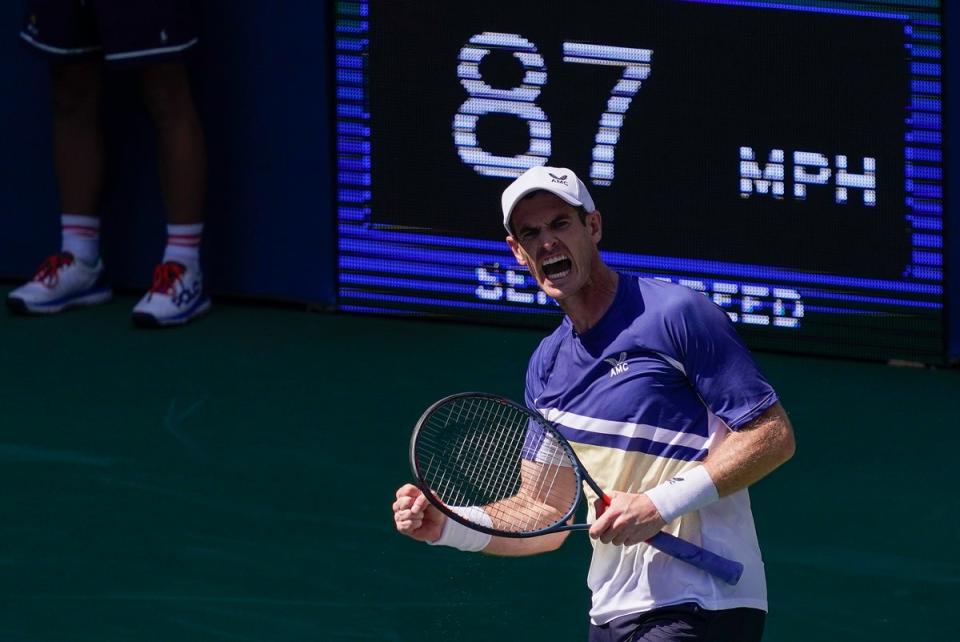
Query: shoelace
{"x": 165, "y": 276}
{"x": 49, "y": 271}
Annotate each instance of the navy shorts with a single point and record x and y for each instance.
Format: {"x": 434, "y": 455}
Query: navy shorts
{"x": 683, "y": 622}
{"x": 121, "y": 32}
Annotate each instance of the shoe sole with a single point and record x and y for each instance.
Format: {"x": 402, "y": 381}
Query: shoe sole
{"x": 144, "y": 320}
{"x": 20, "y": 306}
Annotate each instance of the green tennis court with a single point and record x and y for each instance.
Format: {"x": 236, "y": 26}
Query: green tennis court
{"x": 232, "y": 480}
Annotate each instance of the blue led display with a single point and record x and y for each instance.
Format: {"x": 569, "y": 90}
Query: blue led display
{"x": 406, "y": 256}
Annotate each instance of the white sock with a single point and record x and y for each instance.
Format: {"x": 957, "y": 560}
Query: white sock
{"x": 81, "y": 237}
{"x": 183, "y": 244}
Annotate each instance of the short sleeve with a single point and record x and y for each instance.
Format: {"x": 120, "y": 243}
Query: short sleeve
{"x": 716, "y": 361}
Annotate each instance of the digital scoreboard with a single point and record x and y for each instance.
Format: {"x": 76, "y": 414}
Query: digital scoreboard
{"x": 783, "y": 158}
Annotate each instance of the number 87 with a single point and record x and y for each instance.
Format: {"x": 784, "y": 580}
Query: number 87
{"x": 520, "y": 101}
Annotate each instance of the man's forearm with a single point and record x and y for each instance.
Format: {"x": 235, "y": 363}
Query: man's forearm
{"x": 752, "y": 452}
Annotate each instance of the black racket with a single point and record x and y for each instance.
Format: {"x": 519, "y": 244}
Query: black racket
{"x": 476, "y": 449}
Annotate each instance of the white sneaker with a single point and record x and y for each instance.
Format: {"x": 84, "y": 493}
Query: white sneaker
{"x": 175, "y": 297}
{"x": 61, "y": 282}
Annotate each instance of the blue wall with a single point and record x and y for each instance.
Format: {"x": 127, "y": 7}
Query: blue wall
{"x": 952, "y": 251}
{"x": 263, "y": 90}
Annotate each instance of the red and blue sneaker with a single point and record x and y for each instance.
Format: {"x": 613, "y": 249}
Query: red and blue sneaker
{"x": 61, "y": 282}
{"x": 175, "y": 297}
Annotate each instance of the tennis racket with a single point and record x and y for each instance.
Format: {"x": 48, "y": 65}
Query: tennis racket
{"x": 476, "y": 449}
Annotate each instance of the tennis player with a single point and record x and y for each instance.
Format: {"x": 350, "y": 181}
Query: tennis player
{"x": 664, "y": 406}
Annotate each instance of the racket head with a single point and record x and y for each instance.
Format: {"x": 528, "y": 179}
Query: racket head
{"x": 480, "y": 449}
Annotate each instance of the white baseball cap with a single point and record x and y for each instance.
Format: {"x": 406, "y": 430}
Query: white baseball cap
{"x": 556, "y": 180}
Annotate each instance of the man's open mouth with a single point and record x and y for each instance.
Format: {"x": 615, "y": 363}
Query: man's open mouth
{"x": 557, "y": 266}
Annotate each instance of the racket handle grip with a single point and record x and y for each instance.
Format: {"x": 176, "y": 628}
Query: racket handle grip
{"x": 727, "y": 570}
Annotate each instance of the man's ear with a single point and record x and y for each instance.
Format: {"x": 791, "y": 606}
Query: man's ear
{"x": 517, "y": 251}
{"x": 595, "y": 225}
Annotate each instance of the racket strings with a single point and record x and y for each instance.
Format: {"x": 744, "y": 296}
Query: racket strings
{"x": 482, "y": 452}
{"x": 554, "y": 454}
{"x": 480, "y": 449}
{"x": 504, "y": 466}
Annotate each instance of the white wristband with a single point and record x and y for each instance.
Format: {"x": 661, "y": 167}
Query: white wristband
{"x": 689, "y": 491}
{"x": 462, "y": 537}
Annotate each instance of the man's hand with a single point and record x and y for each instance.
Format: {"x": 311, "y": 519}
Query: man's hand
{"x": 416, "y": 517}
{"x": 629, "y": 519}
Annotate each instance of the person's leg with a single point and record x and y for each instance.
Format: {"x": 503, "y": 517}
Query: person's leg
{"x": 64, "y": 32}
{"x": 149, "y": 39}
{"x": 183, "y": 158}
{"x": 176, "y": 295}
{"x": 737, "y": 625}
{"x": 78, "y": 135}
{"x": 76, "y": 88}
{"x": 74, "y": 276}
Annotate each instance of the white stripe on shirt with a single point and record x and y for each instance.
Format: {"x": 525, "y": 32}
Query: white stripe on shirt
{"x": 624, "y": 429}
